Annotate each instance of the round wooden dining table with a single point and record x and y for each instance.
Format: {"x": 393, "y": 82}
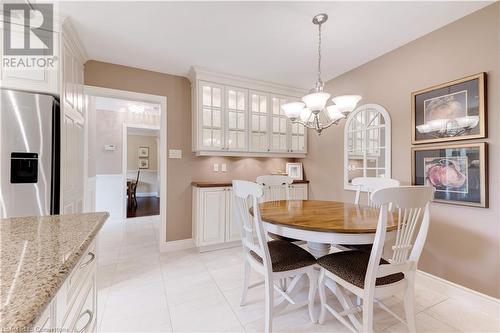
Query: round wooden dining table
{"x": 322, "y": 223}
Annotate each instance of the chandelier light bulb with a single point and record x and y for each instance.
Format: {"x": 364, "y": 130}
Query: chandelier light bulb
{"x": 316, "y": 101}
{"x": 293, "y": 110}
{"x": 346, "y": 103}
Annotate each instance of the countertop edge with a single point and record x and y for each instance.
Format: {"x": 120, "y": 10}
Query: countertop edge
{"x": 34, "y": 312}
{"x": 202, "y": 184}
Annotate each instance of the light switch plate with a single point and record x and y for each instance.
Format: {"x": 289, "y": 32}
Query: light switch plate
{"x": 174, "y": 153}
{"x": 216, "y": 167}
{"x": 223, "y": 167}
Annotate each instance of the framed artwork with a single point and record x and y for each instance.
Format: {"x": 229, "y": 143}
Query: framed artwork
{"x": 143, "y": 163}
{"x": 458, "y": 173}
{"x": 143, "y": 152}
{"x": 450, "y": 111}
{"x": 294, "y": 170}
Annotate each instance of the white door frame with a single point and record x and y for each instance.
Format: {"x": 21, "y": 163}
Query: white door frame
{"x": 126, "y": 127}
{"x": 162, "y": 101}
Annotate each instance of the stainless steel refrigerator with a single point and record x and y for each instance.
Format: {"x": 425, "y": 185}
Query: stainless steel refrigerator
{"x": 30, "y": 154}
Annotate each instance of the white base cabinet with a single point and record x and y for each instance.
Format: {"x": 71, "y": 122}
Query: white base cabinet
{"x": 74, "y": 307}
{"x": 214, "y": 224}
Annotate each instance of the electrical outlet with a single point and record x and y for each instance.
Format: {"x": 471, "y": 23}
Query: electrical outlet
{"x": 223, "y": 167}
{"x": 216, "y": 167}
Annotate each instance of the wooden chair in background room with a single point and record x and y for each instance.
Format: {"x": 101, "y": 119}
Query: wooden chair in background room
{"x": 132, "y": 191}
{"x": 276, "y": 260}
{"x": 368, "y": 275}
{"x": 278, "y": 188}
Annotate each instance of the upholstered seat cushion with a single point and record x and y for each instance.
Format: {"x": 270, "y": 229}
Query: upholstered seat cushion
{"x": 279, "y": 237}
{"x": 286, "y": 256}
{"x": 351, "y": 266}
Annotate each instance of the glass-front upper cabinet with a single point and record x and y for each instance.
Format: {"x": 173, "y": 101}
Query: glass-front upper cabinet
{"x": 211, "y": 122}
{"x": 259, "y": 116}
{"x": 236, "y": 119}
{"x": 367, "y": 151}
{"x": 279, "y": 125}
{"x": 297, "y": 138}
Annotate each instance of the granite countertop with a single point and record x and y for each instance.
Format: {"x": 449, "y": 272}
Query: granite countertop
{"x": 229, "y": 183}
{"x": 36, "y": 256}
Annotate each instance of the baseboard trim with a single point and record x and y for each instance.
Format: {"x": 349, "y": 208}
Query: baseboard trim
{"x": 487, "y": 304}
{"x": 177, "y": 245}
{"x": 219, "y": 246}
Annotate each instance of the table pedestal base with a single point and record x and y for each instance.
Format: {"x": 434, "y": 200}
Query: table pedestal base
{"x": 318, "y": 249}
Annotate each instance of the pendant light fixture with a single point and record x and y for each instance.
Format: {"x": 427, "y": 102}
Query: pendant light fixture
{"x": 307, "y": 112}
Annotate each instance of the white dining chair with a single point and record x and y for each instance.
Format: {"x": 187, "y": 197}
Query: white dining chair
{"x": 276, "y": 260}
{"x": 368, "y": 275}
{"x": 278, "y": 188}
{"x": 370, "y": 185}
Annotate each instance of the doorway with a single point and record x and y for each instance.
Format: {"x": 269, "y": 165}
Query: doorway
{"x": 142, "y": 170}
{"x": 115, "y": 119}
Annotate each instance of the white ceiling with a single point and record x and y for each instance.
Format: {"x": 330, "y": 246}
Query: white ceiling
{"x": 272, "y": 41}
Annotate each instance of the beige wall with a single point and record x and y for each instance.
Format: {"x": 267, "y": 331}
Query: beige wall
{"x": 108, "y": 131}
{"x": 180, "y": 172}
{"x": 134, "y": 142}
{"x": 463, "y": 242}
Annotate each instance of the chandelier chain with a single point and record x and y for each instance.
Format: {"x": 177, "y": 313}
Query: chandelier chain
{"x": 319, "y": 53}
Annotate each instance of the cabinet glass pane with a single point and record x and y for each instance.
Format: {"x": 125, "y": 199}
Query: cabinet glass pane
{"x": 207, "y": 117}
{"x": 216, "y": 138}
{"x": 216, "y": 118}
{"x": 255, "y": 103}
{"x": 241, "y": 120}
{"x": 301, "y": 143}
{"x": 276, "y": 125}
{"x": 263, "y": 123}
{"x": 207, "y": 137}
{"x": 231, "y": 99}
{"x": 295, "y": 142}
{"x": 276, "y": 141}
{"x": 255, "y": 122}
{"x": 241, "y": 140}
{"x": 283, "y": 141}
{"x": 276, "y": 106}
{"x": 233, "y": 139}
{"x": 263, "y": 104}
{"x": 241, "y": 101}
{"x": 232, "y": 120}
{"x": 207, "y": 96}
{"x": 282, "y": 125}
{"x": 255, "y": 140}
{"x": 216, "y": 97}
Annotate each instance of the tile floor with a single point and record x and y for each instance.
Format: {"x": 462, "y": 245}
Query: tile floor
{"x": 141, "y": 290}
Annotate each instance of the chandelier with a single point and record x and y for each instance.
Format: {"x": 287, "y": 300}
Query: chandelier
{"x": 444, "y": 128}
{"x": 307, "y": 112}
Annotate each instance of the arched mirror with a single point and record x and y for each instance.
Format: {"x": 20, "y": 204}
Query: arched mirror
{"x": 367, "y": 144}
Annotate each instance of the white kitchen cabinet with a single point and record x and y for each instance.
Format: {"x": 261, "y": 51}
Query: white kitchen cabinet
{"x": 214, "y": 223}
{"x": 234, "y": 116}
{"x": 299, "y": 192}
{"x": 210, "y": 215}
{"x": 42, "y": 80}
{"x": 74, "y": 307}
{"x": 211, "y": 118}
{"x": 259, "y": 122}
{"x": 233, "y": 229}
{"x": 236, "y": 119}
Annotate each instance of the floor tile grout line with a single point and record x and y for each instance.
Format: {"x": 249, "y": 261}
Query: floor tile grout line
{"x": 438, "y": 319}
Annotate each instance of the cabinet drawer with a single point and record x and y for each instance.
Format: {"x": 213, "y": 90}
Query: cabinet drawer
{"x": 81, "y": 317}
{"x": 78, "y": 276}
